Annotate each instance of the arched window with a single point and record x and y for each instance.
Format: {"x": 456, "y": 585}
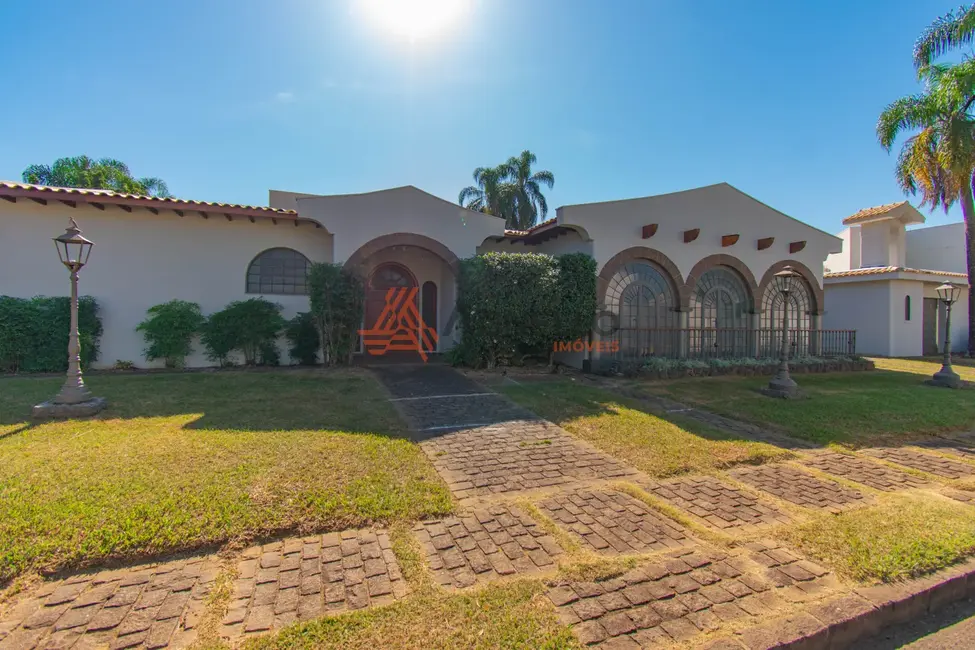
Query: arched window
{"x": 278, "y": 271}
{"x": 800, "y": 305}
{"x": 642, "y": 295}
{"x": 907, "y": 308}
{"x": 720, "y": 301}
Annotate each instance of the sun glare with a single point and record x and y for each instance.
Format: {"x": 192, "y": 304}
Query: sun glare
{"x": 415, "y": 19}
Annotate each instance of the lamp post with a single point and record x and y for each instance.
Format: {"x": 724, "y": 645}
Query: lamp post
{"x": 74, "y": 399}
{"x": 947, "y": 377}
{"x": 782, "y": 385}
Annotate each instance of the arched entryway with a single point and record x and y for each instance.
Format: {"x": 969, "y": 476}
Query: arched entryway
{"x": 384, "y": 277}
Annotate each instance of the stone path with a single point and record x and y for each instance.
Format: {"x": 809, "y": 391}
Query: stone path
{"x": 303, "y": 578}
{"x": 929, "y": 463}
{"x": 715, "y": 503}
{"x": 798, "y": 487}
{"x": 861, "y": 470}
{"x": 486, "y": 543}
{"x": 148, "y": 606}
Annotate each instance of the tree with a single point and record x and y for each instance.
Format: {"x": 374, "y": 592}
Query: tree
{"x": 952, "y": 30}
{"x": 938, "y": 160}
{"x": 511, "y": 191}
{"x": 103, "y": 174}
{"x": 529, "y": 200}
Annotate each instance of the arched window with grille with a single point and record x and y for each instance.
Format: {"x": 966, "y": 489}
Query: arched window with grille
{"x": 278, "y": 271}
{"x": 800, "y": 306}
{"x": 644, "y": 298}
{"x": 718, "y": 319}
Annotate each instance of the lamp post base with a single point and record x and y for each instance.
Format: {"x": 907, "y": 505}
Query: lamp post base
{"x": 946, "y": 378}
{"x": 54, "y": 411}
{"x": 783, "y": 387}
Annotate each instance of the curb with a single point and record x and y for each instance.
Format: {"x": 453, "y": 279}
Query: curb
{"x": 842, "y": 621}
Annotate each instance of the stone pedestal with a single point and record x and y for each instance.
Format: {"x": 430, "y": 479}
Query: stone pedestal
{"x": 53, "y": 411}
{"x": 782, "y": 386}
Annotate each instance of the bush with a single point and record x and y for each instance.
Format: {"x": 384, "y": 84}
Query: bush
{"x": 250, "y": 326}
{"x": 169, "y": 331}
{"x": 303, "y": 336}
{"x": 514, "y": 305}
{"x": 34, "y": 333}
{"x": 337, "y": 298}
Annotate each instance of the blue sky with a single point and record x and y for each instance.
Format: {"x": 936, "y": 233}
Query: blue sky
{"x": 619, "y": 98}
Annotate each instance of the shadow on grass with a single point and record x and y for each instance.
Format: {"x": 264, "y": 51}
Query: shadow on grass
{"x": 282, "y": 400}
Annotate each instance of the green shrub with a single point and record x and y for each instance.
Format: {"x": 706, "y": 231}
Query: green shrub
{"x": 337, "y": 299}
{"x": 514, "y": 305}
{"x": 250, "y": 326}
{"x": 34, "y": 333}
{"x": 169, "y": 331}
{"x": 303, "y": 336}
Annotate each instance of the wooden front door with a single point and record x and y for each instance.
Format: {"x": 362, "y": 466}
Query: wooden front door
{"x": 930, "y": 327}
{"x": 385, "y": 277}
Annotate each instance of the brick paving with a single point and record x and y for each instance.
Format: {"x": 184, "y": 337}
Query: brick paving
{"x": 798, "y": 487}
{"x": 486, "y": 543}
{"x": 147, "y": 606}
{"x": 930, "y": 463}
{"x": 958, "y": 495}
{"x": 515, "y": 456}
{"x": 964, "y": 448}
{"x": 611, "y": 522}
{"x": 716, "y": 504}
{"x": 869, "y": 473}
{"x": 302, "y": 578}
{"x": 688, "y": 594}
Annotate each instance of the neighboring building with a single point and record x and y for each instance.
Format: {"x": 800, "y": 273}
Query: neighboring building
{"x": 685, "y": 273}
{"x": 883, "y": 284}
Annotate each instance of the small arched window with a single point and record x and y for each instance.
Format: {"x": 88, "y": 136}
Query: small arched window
{"x": 907, "y": 308}
{"x": 278, "y": 271}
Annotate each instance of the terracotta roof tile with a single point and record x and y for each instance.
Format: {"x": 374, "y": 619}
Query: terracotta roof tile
{"x": 869, "y": 213}
{"x": 537, "y": 226}
{"x": 880, "y": 270}
{"x": 119, "y": 197}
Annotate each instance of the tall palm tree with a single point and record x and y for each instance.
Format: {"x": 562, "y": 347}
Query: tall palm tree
{"x": 492, "y": 194}
{"x": 938, "y": 160}
{"x": 529, "y": 200}
{"x": 103, "y": 174}
{"x": 948, "y": 32}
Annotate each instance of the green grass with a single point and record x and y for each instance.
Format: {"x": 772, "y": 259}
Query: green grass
{"x": 513, "y": 615}
{"x": 855, "y": 408}
{"x": 902, "y": 537}
{"x": 618, "y": 426}
{"x": 187, "y": 460}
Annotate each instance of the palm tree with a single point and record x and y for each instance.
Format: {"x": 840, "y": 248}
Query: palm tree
{"x": 492, "y": 194}
{"x": 529, "y": 200}
{"x": 103, "y": 174}
{"x": 938, "y": 161}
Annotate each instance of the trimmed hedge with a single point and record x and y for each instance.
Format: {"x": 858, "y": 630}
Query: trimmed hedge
{"x": 250, "y": 326}
{"x": 664, "y": 368}
{"x": 34, "y": 333}
{"x": 514, "y": 305}
{"x": 169, "y": 329}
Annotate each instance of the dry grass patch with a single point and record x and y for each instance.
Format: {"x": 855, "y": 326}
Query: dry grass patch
{"x": 511, "y": 615}
{"x": 902, "y": 537}
{"x": 187, "y": 460}
{"x": 660, "y": 447}
{"x": 848, "y": 408}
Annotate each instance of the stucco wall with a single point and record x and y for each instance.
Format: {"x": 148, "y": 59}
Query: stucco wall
{"x": 355, "y": 219}
{"x": 959, "y": 318}
{"x": 717, "y": 210}
{"x": 849, "y": 257}
{"x": 861, "y": 306}
{"x": 906, "y": 336}
{"x": 141, "y": 259}
{"x": 875, "y": 244}
{"x": 940, "y": 248}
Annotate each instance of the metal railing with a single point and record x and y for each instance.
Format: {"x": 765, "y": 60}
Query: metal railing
{"x": 717, "y": 343}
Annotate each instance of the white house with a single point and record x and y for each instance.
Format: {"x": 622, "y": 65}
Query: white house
{"x": 700, "y": 260}
{"x": 883, "y": 284}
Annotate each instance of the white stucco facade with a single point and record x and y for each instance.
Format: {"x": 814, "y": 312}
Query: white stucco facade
{"x": 878, "y": 283}
{"x": 149, "y": 251}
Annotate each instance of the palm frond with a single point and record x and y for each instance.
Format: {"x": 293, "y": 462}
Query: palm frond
{"x": 904, "y": 114}
{"x": 944, "y": 34}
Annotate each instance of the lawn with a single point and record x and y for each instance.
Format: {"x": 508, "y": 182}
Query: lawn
{"x": 853, "y": 408}
{"x": 901, "y": 537}
{"x": 660, "y": 447}
{"x": 180, "y": 461}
